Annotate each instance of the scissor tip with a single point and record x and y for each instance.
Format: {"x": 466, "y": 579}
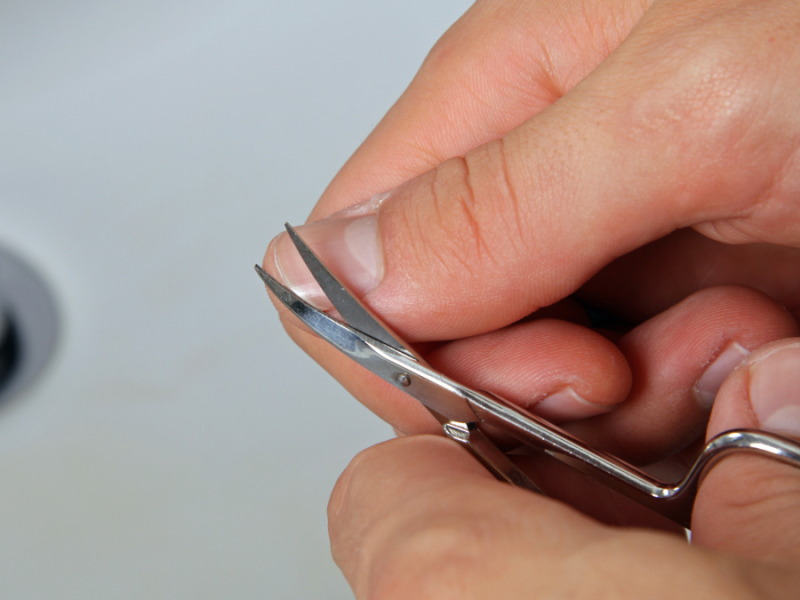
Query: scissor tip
{"x": 291, "y": 230}
{"x": 262, "y": 273}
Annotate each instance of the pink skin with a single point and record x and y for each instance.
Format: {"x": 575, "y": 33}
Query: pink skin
{"x": 587, "y": 149}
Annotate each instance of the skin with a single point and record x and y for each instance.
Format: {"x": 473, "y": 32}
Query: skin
{"x": 638, "y": 157}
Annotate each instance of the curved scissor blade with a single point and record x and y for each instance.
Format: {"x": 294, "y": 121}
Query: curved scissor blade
{"x": 431, "y": 388}
{"x": 340, "y": 335}
{"x": 442, "y": 397}
{"x": 352, "y": 310}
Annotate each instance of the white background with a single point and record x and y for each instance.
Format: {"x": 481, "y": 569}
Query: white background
{"x": 179, "y": 446}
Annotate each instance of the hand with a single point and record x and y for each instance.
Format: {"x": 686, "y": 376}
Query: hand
{"x": 406, "y": 525}
{"x": 659, "y": 134}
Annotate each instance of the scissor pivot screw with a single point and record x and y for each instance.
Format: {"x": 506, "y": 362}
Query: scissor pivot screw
{"x": 403, "y": 380}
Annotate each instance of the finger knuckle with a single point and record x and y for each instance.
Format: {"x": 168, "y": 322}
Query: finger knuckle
{"x": 474, "y": 201}
{"x": 440, "y": 229}
{"x": 461, "y": 213}
{"x": 706, "y": 101}
{"x": 710, "y": 75}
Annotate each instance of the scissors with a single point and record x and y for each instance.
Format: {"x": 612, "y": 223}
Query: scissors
{"x": 464, "y": 413}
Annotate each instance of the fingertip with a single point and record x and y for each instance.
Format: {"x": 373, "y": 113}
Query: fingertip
{"x": 763, "y": 392}
{"x": 679, "y": 359}
{"x": 706, "y": 388}
{"x": 748, "y": 504}
{"x": 567, "y": 405}
{"x": 557, "y": 369}
{"x": 350, "y": 247}
{"x": 384, "y": 478}
{"x": 774, "y": 389}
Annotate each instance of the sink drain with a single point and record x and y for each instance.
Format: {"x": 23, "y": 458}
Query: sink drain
{"x": 28, "y": 324}
{"x": 9, "y": 351}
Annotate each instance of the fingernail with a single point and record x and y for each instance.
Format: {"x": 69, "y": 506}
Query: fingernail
{"x": 775, "y": 390}
{"x": 350, "y": 248}
{"x": 566, "y": 405}
{"x": 706, "y": 388}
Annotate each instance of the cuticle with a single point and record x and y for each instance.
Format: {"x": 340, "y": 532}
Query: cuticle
{"x": 751, "y": 411}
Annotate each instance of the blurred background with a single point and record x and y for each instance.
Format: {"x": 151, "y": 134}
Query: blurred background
{"x": 160, "y": 436}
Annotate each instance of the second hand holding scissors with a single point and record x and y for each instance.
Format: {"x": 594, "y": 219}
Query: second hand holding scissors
{"x": 463, "y": 411}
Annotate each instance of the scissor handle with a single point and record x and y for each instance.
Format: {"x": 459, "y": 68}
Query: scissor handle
{"x": 674, "y": 501}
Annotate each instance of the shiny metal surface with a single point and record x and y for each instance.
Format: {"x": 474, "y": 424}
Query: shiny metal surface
{"x": 462, "y": 410}
{"x": 482, "y": 448}
{"x": 672, "y": 500}
{"x": 433, "y": 389}
{"x": 352, "y": 311}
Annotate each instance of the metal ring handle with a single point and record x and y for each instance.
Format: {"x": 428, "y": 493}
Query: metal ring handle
{"x": 674, "y": 501}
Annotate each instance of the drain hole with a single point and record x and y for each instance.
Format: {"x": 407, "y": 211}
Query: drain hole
{"x": 9, "y": 350}
{"x": 28, "y": 325}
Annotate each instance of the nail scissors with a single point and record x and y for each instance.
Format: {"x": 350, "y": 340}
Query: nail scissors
{"x": 464, "y": 412}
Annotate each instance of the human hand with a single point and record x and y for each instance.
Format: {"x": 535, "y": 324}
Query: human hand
{"x": 622, "y": 125}
{"x": 691, "y": 122}
{"x": 417, "y": 517}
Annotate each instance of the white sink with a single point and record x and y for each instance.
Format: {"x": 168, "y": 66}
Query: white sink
{"x": 178, "y": 445}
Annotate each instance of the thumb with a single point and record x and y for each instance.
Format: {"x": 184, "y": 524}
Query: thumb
{"x": 750, "y": 505}
{"x": 641, "y": 147}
